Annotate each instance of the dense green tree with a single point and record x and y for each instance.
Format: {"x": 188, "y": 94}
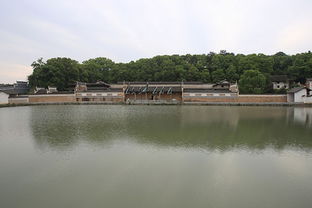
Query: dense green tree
{"x": 97, "y": 69}
{"x": 218, "y": 75}
{"x": 231, "y": 74}
{"x": 57, "y": 72}
{"x": 252, "y": 81}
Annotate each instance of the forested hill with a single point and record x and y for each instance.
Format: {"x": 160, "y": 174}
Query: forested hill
{"x": 211, "y": 67}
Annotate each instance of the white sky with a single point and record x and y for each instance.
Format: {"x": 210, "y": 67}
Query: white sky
{"x": 125, "y": 30}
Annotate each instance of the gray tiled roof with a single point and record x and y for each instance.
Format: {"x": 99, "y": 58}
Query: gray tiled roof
{"x": 296, "y": 89}
{"x": 279, "y": 78}
{"x": 160, "y": 83}
{"x": 154, "y": 90}
{"x": 193, "y": 90}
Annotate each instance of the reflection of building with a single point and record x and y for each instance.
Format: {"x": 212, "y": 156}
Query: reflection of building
{"x": 303, "y": 115}
{"x": 280, "y": 82}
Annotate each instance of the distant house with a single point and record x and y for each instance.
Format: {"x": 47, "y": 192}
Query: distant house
{"x": 6, "y": 87}
{"x": 4, "y": 97}
{"x": 309, "y": 83}
{"x": 221, "y": 85}
{"x": 98, "y": 92}
{"x": 20, "y": 87}
{"x": 280, "y": 82}
{"x": 52, "y": 90}
{"x": 84, "y": 87}
{"x": 299, "y": 95}
{"x": 40, "y": 91}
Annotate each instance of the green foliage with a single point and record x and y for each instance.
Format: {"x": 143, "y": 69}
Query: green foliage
{"x": 212, "y": 67}
{"x": 252, "y": 81}
{"x": 280, "y": 91}
{"x": 55, "y": 72}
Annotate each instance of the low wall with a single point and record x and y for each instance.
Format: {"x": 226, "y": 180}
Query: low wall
{"x": 308, "y": 100}
{"x": 262, "y": 99}
{"x": 238, "y": 99}
{"x": 215, "y": 99}
{"x": 71, "y": 98}
{"x": 116, "y": 99}
{"x": 55, "y": 98}
{"x": 19, "y": 100}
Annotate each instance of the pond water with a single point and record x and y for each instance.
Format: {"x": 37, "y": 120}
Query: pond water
{"x": 155, "y": 156}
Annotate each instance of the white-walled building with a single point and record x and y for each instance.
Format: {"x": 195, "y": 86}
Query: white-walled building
{"x": 299, "y": 95}
{"x": 4, "y": 98}
{"x": 280, "y": 82}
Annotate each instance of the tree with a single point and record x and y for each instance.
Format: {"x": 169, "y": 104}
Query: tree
{"x": 58, "y": 72}
{"x": 231, "y": 75}
{"x": 98, "y": 69}
{"x": 252, "y": 81}
{"x": 218, "y": 75}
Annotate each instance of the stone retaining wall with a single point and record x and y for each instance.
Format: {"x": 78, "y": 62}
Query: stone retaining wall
{"x": 57, "y": 98}
{"x": 238, "y": 99}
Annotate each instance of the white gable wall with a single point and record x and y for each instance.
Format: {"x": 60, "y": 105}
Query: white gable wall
{"x": 4, "y": 98}
{"x": 300, "y": 96}
{"x": 309, "y": 84}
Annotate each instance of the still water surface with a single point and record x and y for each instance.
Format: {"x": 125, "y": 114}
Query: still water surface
{"x": 155, "y": 156}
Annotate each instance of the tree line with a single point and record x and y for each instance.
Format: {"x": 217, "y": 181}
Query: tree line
{"x": 252, "y": 71}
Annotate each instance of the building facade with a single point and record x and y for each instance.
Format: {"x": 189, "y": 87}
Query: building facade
{"x": 280, "y": 82}
{"x": 4, "y": 98}
{"x": 299, "y": 95}
{"x": 99, "y": 92}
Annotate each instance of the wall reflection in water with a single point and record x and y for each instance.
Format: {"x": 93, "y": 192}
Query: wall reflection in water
{"x": 207, "y": 127}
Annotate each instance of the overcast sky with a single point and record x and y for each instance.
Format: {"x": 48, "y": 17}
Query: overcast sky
{"x": 125, "y": 30}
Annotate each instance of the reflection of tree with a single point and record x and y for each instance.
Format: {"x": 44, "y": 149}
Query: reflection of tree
{"x": 63, "y": 126}
{"x": 174, "y": 126}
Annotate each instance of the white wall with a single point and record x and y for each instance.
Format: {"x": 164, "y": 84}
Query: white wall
{"x": 309, "y": 84}
{"x": 4, "y": 98}
{"x": 308, "y": 100}
{"x": 290, "y": 97}
{"x": 300, "y": 96}
{"x": 280, "y": 85}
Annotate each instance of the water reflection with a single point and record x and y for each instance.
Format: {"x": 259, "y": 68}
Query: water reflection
{"x": 207, "y": 127}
